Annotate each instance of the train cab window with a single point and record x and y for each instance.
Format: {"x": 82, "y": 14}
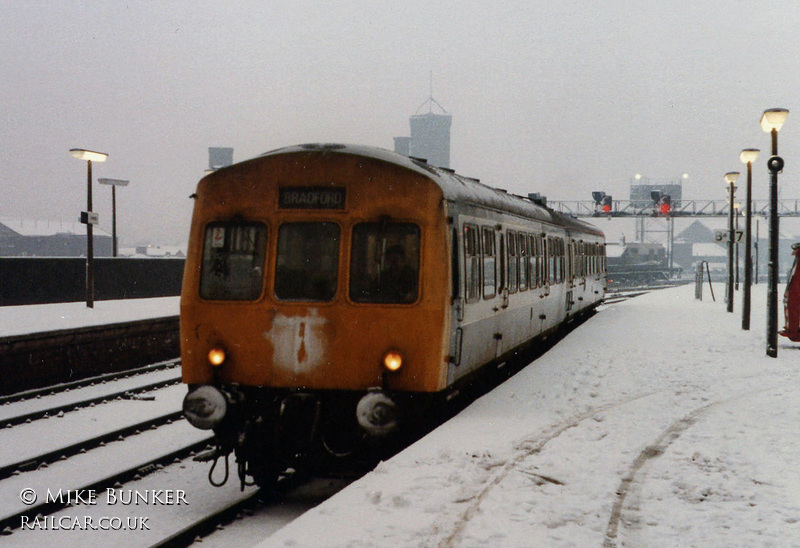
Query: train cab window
{"x": 307, "y": 261}
{"x": 472, "y": 261}
{"x": 489, "y": 263}
{"x": 513, "y": 262}
{"x": 233, "y": 261}
{"x": 384, "y": 263}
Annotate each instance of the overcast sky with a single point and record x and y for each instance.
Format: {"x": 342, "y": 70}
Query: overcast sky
{"x": 558, "y": 97}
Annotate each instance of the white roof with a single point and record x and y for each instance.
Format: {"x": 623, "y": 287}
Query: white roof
{"x": 37, "y": 227}
{"x": 708, "y": 250}
{"x": 614, "y": 250}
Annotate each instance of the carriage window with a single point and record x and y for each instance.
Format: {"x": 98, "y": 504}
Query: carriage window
{"x": 489, "y": 262}
{"x": 307, "y": 261}
{"x": 603, "y": 264}
{"x": 513, "y": 262}
{"x": 472, "y": 259}
{"x": 233, "y": 261}
{"x": 533, "y": 261}
{"x": 541, "y": 261}
{"x": 384, "y": 263}
{"x": 574, "y": 268}
{"x": 524, "y": 265}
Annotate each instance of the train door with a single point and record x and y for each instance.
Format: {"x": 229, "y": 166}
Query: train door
{"x": 474, "y": 288}
{"x": 457, "y": 313}
{"x": 503, "y": 284}
{"x": 545, "y": 314}
{"x": 555, "y": 274}
{"x": 545, "y": 264}
{"x": 571, "y": 271}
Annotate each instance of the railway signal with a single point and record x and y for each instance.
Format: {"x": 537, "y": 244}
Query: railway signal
{"x": 666, "y": 204}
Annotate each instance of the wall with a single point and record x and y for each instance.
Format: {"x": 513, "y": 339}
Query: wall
{"x": 47, "y": 359}
{"x": 36, "y": 280}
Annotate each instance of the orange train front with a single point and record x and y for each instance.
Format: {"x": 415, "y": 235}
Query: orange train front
{"x": 334, "y": 294}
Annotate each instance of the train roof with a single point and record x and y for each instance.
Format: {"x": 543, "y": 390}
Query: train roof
{"x": 454, "y": 186}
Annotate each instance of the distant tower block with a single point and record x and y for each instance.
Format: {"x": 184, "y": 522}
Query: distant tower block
{"x": 430, "y": 138}
{"x": 219, "y": 157}
{"x": 430, "y": 135}
{"x": 402, "y": 145}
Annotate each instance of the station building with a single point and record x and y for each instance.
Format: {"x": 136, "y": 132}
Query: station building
{"x": 37, "y": 238}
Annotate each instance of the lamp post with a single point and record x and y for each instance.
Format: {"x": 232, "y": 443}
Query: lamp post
{"x": 730, "y": 178}
{"x": 89, "y": 217}
{"x": 737, "y": 210}
{"x": 755, "y": 246}
{"x": 114, "y": 184}
{"x": 771, "y": 122}
{"x": 748, "y": 156}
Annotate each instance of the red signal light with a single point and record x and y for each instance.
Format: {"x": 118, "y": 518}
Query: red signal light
{"x": 665, "y": 209}
{"x": 606, "y": 208}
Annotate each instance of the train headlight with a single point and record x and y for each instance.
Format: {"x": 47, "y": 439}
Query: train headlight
{"x": 216, "y": 356}
{"x": 393, "y": 360}
{"x": 205, "y": 407}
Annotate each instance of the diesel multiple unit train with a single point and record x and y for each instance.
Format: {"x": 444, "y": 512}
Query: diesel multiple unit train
{"x": 334, "y": 294}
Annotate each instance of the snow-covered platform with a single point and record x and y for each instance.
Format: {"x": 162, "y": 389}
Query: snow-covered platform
{"x": 39, "y": 318}
{"x": 44, "y": 345}
{"x": 659, "y": 422}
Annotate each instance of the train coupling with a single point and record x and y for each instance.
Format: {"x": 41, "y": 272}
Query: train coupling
{"x": 377, "y": 413}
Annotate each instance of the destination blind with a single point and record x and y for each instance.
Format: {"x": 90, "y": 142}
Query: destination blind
{"x": 312, "y": 197}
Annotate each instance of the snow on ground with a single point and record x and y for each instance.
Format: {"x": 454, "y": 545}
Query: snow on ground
{"x": 21, "y": 320}
{"x": 657, "y": 423}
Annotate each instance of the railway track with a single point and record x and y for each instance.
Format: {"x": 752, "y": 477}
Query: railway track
{"x": 67, "y": 451}
{"x": 59, "y": 410}
{"x": 12, "y": 521}
{"x": 38, "y": 393}
{"x": 206, "y": 525}
{"x": 98, "y": 456}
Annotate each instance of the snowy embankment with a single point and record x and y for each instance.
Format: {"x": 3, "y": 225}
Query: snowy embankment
{"x": 657, "y": 423}
{"x": 22, "y": 320}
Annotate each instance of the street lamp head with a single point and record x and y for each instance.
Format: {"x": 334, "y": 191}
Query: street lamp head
{"x": 88, "y": 155}
{"x": 749, "y": 155}
{"x": 731, "y": 177}
{"x": 113, "y": 182}
{"x": 773, "y": 119}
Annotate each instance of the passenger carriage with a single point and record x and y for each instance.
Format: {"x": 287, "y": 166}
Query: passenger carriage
{"x": 334, "y": 293}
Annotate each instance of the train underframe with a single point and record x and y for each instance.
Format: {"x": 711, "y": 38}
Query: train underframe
{"x": 278, "y": 434}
